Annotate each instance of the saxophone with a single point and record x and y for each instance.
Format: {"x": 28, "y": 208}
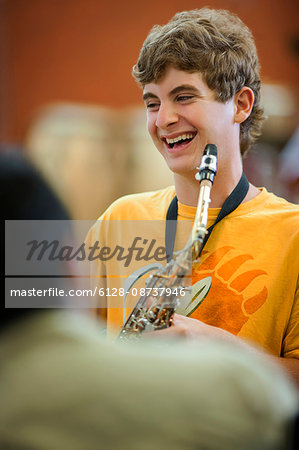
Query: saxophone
{"x": 155, "y": 312}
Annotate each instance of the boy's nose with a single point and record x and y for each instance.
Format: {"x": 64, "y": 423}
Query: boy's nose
{"x": 166, "y": 116}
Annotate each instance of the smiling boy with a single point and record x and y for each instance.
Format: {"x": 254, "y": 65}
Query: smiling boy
{"x": 183, "y": 116}
{"x": 201, "y": 85}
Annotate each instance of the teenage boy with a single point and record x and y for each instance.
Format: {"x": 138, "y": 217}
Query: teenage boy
{"x": 201, "y": 85}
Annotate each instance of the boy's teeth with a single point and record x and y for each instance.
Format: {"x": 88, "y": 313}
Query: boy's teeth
{"x": 179, "y": 138}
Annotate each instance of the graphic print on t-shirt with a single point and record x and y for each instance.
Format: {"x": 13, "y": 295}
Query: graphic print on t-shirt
{"x": 234, "y": 294}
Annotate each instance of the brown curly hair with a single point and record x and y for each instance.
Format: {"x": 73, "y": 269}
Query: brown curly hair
{"x": 215, "y": 43}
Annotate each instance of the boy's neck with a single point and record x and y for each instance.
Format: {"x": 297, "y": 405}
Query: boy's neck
{"x": 187, "y": 189}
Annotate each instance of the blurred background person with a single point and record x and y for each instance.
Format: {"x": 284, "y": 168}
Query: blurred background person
{"x": 24, "y": 196}
{"x": 78, "y": 148}
{"x": 289, "y": 166}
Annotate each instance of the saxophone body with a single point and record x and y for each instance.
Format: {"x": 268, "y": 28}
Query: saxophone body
{"x": 171, "y": 281}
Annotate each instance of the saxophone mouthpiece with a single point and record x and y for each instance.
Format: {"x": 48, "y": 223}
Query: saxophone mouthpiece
{"x": 208, "y": 166}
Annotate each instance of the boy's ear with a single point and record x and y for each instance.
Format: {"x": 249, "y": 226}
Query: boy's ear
{"x": 244, "y": 99}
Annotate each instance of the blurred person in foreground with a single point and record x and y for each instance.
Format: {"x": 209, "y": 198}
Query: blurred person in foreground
{"x": 200, "y": 79}
{"x": 63, "y": 386}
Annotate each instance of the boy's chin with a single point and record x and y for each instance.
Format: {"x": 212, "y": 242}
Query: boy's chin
{"x": 183, "y": 169}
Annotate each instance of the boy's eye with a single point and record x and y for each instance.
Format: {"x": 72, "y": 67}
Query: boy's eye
{"x": 183, "y": 98}
{"x": 152, "y": 105}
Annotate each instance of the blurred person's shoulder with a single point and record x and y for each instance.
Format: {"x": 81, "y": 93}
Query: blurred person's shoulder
{"x": 151, "y": 205}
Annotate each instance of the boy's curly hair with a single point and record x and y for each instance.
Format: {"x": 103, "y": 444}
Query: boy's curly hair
{"x": 215, "y": 43}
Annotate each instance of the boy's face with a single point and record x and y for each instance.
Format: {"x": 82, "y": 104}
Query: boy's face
{"x": 183, "y": 116}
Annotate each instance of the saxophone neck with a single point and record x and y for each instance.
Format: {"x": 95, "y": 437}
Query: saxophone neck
{"x": 205, "y": 175}
{"x": 199, "y": 229}
{"x": 201, "y": 216}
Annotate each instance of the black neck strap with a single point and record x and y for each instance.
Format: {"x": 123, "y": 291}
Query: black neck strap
{"x": 231, "y": 203}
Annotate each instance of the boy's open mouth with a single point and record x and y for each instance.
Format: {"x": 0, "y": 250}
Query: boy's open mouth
{"x": 179, "y": 140}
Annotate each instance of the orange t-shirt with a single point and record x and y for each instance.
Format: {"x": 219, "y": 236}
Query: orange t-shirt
{"x": 247, "y": 278}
